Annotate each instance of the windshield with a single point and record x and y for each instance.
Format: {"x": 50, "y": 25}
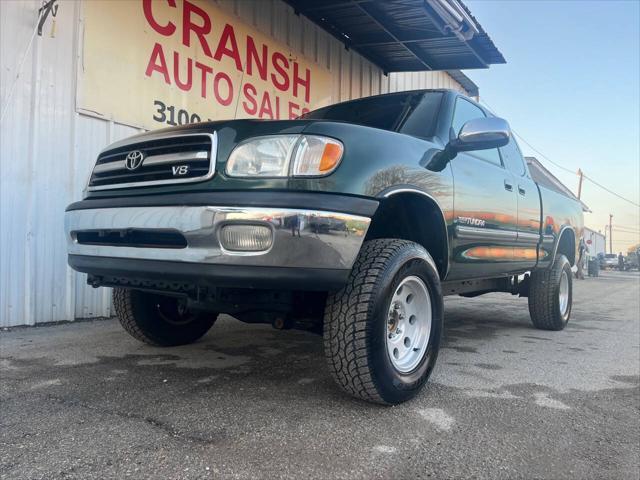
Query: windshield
{"x": 413, "y": 113}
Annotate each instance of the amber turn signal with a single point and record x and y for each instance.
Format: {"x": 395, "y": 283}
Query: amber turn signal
{"x": 330, "y": 157}
{"x": 317, "y": 156}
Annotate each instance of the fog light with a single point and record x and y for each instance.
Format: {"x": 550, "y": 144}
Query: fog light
{"x": 246, "y": 238}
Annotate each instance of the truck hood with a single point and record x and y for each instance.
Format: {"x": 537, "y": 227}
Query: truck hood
{"x": 368, "y": 152}
{"x": 229, "y": 131}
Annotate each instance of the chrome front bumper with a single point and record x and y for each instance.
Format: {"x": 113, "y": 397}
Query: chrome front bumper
{"x": 317, "y": 239}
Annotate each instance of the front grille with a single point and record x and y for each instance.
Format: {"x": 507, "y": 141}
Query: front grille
{"x": 174, "y": 159}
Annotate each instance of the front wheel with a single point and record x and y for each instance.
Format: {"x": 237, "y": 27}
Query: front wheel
{"x": 159, "y": 320}
{"x": 382, "y": 330}
{"x": 551, "y": 295}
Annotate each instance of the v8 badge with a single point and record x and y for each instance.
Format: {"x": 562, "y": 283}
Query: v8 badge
{"x": 180, "y": 170}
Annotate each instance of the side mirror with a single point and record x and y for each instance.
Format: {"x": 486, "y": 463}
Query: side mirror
{"x": 481, "y": 134}
{"x": 476, "y": 134}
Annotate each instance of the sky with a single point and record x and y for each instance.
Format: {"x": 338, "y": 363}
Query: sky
{"x": 571, "y": 88}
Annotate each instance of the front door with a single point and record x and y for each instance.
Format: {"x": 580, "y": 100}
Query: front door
{"x": 485, "y": 208}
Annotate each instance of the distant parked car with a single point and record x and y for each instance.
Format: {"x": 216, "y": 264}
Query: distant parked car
{"x": 631, "y": 261}
{"x": 610, "y": 261}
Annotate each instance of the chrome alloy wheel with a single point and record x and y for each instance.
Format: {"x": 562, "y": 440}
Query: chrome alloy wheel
{"x": 563, "y": 293}
{"x": 409, "y": 324}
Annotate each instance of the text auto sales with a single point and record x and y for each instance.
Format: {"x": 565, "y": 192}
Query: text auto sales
{"x": 188, "y": 74}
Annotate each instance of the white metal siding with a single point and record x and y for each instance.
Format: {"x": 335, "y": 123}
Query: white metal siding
{"x": 598, "y": 242}
{"x": 47, "y": 149}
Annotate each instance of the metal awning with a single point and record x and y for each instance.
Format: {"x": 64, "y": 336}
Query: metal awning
{"x": 406, "y": 35}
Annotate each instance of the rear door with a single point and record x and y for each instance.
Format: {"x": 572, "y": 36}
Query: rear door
{"x": 485, "y": 208}
{"x": 528, "y": 220}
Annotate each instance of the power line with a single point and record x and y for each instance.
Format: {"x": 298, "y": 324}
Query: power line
{"x": 561, "y": 166}
{"x": 625, "y": 232}
{"x": 626, "y": 227}
{"x": 543, "y": 155}
{"x": 611, "y": 192}
{"x": 529, "y": 145}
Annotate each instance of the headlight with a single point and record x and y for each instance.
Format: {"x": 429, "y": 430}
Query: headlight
{"x": 284, "y": 155}
{"x": 262, "y": 157}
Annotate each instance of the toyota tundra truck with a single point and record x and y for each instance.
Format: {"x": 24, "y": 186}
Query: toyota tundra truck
{"x": 353, "y": 221}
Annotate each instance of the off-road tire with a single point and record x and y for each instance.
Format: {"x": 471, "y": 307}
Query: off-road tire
{"x": 355, "y": 322}
{"x": 544, "y": 298}
{"x": 150, "y": 318}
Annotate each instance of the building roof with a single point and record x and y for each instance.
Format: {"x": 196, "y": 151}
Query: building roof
{"x": 544, "y": 177}
{"x": 470, "y": 87}
{"x": 593, "y": 232}
{"x": 406, "y": 35}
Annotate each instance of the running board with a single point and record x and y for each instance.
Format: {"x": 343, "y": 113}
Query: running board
{"x": 516, "y": 285}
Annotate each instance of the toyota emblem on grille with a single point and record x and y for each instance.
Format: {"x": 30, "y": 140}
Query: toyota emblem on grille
{"x": 134, "y": 160}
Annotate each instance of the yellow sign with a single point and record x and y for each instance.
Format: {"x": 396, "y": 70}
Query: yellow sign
{"x": 153, "y": 63}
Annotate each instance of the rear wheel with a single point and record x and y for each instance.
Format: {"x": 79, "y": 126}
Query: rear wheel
{"x": 551, "y": 295}
{"x": 159, "y": 320}
{"x": 382, "y": 330}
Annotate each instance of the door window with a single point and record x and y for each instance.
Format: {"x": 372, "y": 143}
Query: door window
{"x": 513, "y": 158}
{"x": 465, "y": 111}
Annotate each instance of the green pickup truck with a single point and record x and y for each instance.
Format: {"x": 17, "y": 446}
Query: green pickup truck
{"x": 353, "y": 221}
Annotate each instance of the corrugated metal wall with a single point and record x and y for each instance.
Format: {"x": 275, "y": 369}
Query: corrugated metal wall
{"x": 47, "y": 149}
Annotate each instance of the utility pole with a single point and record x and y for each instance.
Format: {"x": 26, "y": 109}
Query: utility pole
{"x": 581, "y": 175}
{"x": 610, "y": 235}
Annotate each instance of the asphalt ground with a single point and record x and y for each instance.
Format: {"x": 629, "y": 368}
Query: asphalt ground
{"x": 84, "y": 400}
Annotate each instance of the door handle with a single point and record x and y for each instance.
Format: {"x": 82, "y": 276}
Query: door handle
{"x": 521, "y": 190}
{"x": 508, "y": 186}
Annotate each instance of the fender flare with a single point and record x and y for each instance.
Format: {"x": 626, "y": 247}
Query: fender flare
{"x": 397, "y": 189}
{"x": 563, "y": 230}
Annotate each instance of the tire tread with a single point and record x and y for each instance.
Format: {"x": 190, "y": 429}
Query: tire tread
{"x": 124, "y": 310}
{"x": 134, "y": 320}
{"x": 543, "y": 296}
{"x": 347, "y": 320}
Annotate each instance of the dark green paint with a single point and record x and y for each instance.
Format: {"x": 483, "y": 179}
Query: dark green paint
{"x": 376, "y": 161}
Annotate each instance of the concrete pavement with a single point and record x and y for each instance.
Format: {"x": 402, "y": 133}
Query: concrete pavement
{"x": 84, "y": 400}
